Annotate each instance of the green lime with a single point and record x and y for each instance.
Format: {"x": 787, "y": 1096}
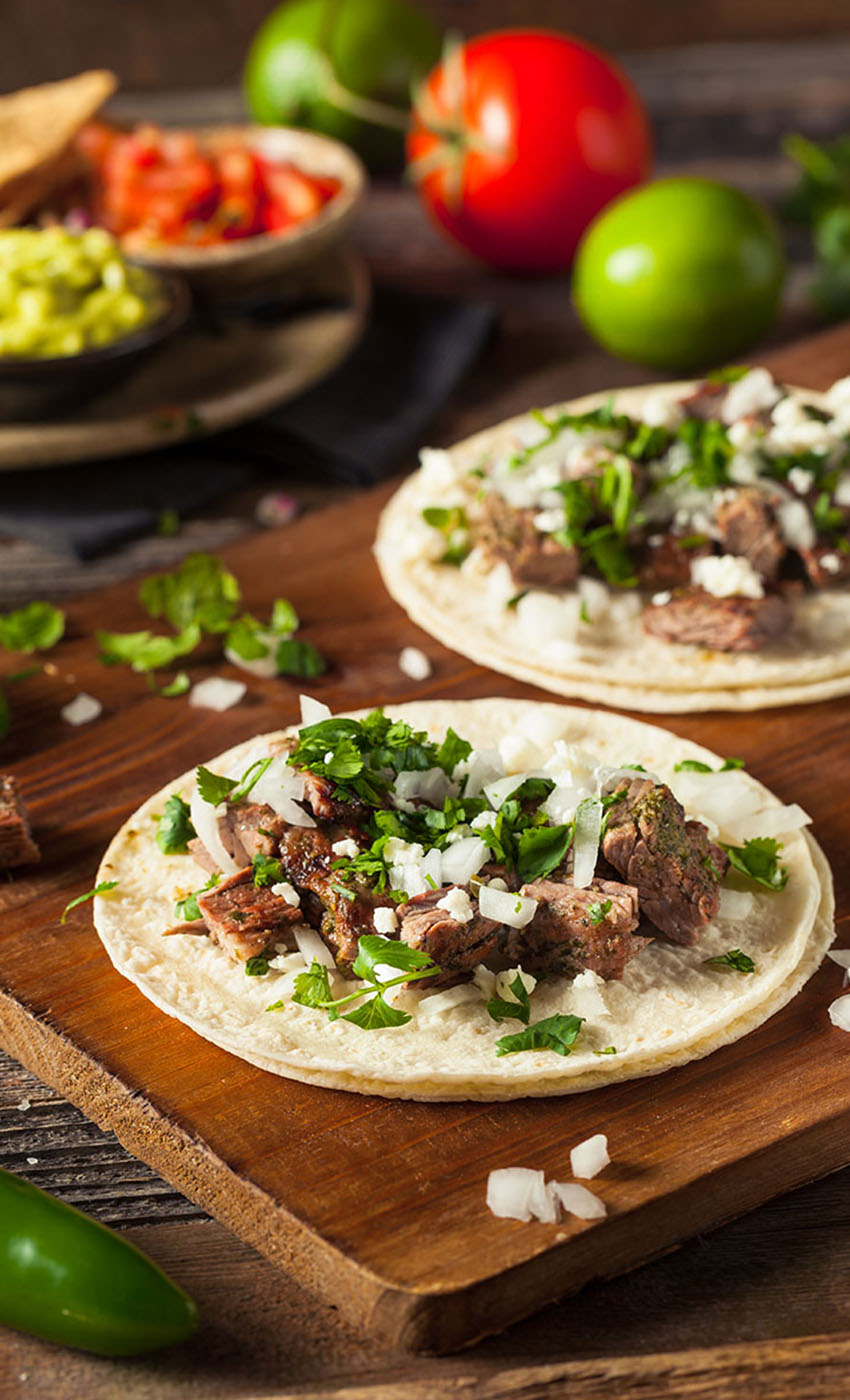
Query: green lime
{"x": 313, "y": 59}
{"x": 680, "y": 273}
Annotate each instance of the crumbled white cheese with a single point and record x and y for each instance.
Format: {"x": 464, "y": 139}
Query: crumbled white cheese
{"x": 457, "y": 903}
{"x": 414, "y": 663}
{"x": 217, "y": 693}
{"x": 663, "y": 598}
{"x": 81, "y": 710}
{"x": 385, "y": 921}
{"x": 831, "y": 563}
{"x": 726, "y": 576}
{"x": 397, "y": 850}
{"x": 749, "y": 395}
{"x": 346, "y": 847}
{"x": 744, "y": 468}
{"x": 549, "y": 520}
{"x": 745, "y": 434}
{"x": 661, "y": 410}
{"x": 284, "y": 890}
{"x": 801, "y": 480}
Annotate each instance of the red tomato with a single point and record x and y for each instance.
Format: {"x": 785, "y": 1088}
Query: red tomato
{"x": 295, "y": 195}
{"x": 519, "y": 139}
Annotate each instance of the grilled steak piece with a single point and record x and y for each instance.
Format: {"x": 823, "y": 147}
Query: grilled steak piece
{"x": 320, "y": 794}
{"x": 563, "y": 938}
{"x": 455, "y": 946}
{"x": 16, "y": 844}
{"x": 535, "y": 559}
{"x": 666, "y": 564}
{"x": 341, "y": 913}
{"x": 748, "y": 527}
{"x": 722, "y": 624}
{"x": 706, "y": 401}
{"x": 672, "y": 863}
{"x": 246, "y": 919}
{"x": 821, "y": 576}
{"x": 241, "y": 829}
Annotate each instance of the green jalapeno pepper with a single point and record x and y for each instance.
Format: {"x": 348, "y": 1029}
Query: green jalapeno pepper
{"x": 70, "y": 1280}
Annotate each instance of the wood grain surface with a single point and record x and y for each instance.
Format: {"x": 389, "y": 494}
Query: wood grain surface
{"x": 378, "y": 1205}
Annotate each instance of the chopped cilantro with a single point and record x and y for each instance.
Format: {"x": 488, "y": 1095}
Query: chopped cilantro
{"x": 516, "y": 599}
{"x": 178, "y": 686}
{"x": 145, "y": 651}
{"x": 452, "y": 751}
{"x": 597, "y": 912}
{"x": 558, "y": 1033}
{"x": 453, "y": 525}
{"x": 297, "y": 658}
{"x": 102, "y": 888}
{"x": 257, "y": 966}
{"x": 540, "y": 850}
{"x": 35, "y": 627}
{"x": 738, "y": 961}
{"x": 312, "y": 988}
{"x": 695, "y": 765}
{"x": 174, "y": 829}
{"x": 216, "y": 789}
{"x": 188, "y": 908}
{"x": 266, "y": 870}
{"x": 498, "y": 1009}
{"x": 609, "y": 1050}
{"x": 730, "y": 374}
{"x": 759, "y": 859}
{"x": 200, "y": 593}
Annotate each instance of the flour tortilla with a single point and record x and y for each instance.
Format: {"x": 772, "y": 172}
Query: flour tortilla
{"x": 811, "y": 663}
{"x": 668, "y": 1009}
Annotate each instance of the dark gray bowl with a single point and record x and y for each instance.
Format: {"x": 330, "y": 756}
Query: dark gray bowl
{"x": 33, "y": 388}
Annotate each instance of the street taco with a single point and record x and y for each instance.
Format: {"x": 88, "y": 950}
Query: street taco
{"x": 481, "y": 899}
{"x": 679, "y": 547}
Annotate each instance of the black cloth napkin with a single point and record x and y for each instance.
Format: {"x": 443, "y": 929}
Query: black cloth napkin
{"x": 355, "y": 426}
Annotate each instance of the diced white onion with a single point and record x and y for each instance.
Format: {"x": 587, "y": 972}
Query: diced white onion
{"x": 518, "y": 752}
{"x": 586, "y": 841}
{"x": 544, "y": 618}
{"x": 577, "y": 1200}
{"x": 81, "y": 710}
{"x": 205, "y": 821}
{"x": 281, "y": 787}
{"x": 514, "y": 1192}
{"x": 431, "y": 786}
{"x": 735, "y": 904}
{"x": 796, "y": 524}
{"x": 217, "y": 693}
{"x": 414, "y": 663}
{"x": 499, "y": 791}
{"x": 839, "y": 1013}
{"x": 608, "y": 779}
{"x": 463, "y": 859}
{"x": 505, "y": 907}
{"x": 482, "y": 766}
{"x": 595, "y": 598}
{"x": 586, "y": 999}
{"x": 588, "y": 1158}
{"x": 311, "y": 947}
{"x": 840, "y": 956}
{"x": 560, "y": 806}
{"x": 313, "y": 711}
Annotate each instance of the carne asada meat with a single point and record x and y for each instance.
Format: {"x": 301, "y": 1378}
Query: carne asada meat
{"x": 341, "y": 912}
{"x": 826, "y": 565}
{"x": 327, "y": 804}
{"x": 666, "y": 564}
{"x": 722, "y": 624}
{"x": 16, "y": 844}
{"x": 673, "y": 864}
{"x": 563, "y": 938}
{"x": 748, "y": 527}
{"x": 457, "y": 947}
{"x": 706, "y": 401}
{"x": 246, "y": 829}
{"x": 246, "y": 919}
{"x": 535, "y": 559}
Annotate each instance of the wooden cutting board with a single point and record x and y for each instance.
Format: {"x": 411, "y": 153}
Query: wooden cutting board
{"x": 379, "y": 1205}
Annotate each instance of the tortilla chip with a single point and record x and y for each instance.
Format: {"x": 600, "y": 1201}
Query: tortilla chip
{"x": 36, "y": 126}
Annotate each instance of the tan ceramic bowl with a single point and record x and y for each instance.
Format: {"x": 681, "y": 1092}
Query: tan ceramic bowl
{"x": 248, "y": 265}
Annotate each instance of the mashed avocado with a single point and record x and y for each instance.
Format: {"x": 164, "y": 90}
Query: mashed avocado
{"x": 62, "y": 293}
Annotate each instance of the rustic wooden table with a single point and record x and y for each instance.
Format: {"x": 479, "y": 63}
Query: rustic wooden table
{"x": 760, "y": 1306}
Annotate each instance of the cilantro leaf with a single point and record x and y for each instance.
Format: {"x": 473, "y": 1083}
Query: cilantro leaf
{"x": 250, "y": 778}
{"x": 558, "y": 1033}
{"x": 145, "y": 651}
{"x": 759, "y": 859}
{"x": 694, "y": 765}
{"x": 178, "y": 686}
{"x": 313, "y": 988}
{"x": 609, "y": 1050}
{"x": 175, "y": 830}
{"x": 296, "y": 658}
{"x": 102, "y": 888}
{"x": 453, "y": 525}
{"x": 212, "y": 787}
{"x": 35, "y": 627}
{"x": 242, "y": 638}
{"x": 597, "y": 912}
{"x": 188, "y": 908}
{"x": 540, "y": 850}
{"x": 284, "y": 618}
{"x": 257, "y": 966}
{"x": 738, "y": 961}
{"x": 498, "y": 1009}
{"x": 452, "y": 751}
{"x": 375, "y": 1014}
{"x": 373, "y": 949}
{"x": 267, "y": 870}
{"x": 199, "y": 593}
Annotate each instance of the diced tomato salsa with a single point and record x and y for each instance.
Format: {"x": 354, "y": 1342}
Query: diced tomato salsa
{"x": 153, "y": 186}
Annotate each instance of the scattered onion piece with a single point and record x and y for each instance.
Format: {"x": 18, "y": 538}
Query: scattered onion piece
{"x": 577, "y": 1200}
{"x": 311, "y": 947}
{"x": 588, "y": 829}
{"x": 313, "y": 711}
{"x": 217, "y": 693}
{"x": 505, "y": 907}
{"x": 588, "y": 1158}
{"x": 839, "y": 1013}
{"x": 81, "y": 710}
{"x": 414, "y": 663}
{"x": 205, "y": 821}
